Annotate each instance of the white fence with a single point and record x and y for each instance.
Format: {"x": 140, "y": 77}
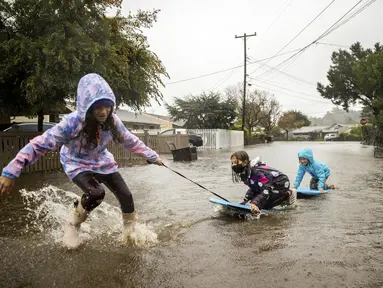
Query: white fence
{"x": 212, "y": 138}
{"x": 150, "y": 131}
{"x": 219, "y": 138}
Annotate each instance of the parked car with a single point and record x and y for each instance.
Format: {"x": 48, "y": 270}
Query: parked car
{"x": 330, "y": 137}
{"x": 23, "y": 127}
{"x": 28, "y": 127}
{"x": 194, "y": 139}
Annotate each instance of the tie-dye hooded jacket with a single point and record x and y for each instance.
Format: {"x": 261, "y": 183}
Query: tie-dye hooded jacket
{"x": 91, "y": 88}
{"x": 263, "y": 180}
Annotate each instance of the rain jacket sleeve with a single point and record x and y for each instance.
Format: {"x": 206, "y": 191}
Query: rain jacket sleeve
{"x": 133, "y": 143}
{"x": 49, "y": 141}
{"x": 301, "y": 172}
{"x": 261, "y": 185}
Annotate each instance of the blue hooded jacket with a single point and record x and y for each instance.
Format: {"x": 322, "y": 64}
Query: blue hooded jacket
{"x": 315, "y": 168}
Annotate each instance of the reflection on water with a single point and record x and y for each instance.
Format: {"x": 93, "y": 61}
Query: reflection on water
{"x": 333, "y": 240}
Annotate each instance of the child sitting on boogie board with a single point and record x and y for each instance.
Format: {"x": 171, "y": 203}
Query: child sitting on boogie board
{"x": 318, "y": 171}
{"x": 268, "y": 186}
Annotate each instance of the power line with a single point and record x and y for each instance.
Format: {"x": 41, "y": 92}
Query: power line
{"x": 335, "y": 26}
{"x": 284, "y": 88}
{"x": 203, "y": 75}
{"x": 297, "y": 79}
{"x": 330, "y": 44}
{"x": 304, "y": 28}
{"x": 350, "y": 17}
{"x": 224, "y": 79}
{"x": 228, "y": 69}
{"x": 325, "y": 33}
{"x": 345, "y": 20}
{"x": 287, "y": 63}
{"x": 293, "y": 57}
{"x": 299, "y": 97}
{"x": 276, "y": 19}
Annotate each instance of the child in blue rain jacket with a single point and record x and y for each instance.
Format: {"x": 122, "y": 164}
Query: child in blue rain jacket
{"x": 318, "y": 171}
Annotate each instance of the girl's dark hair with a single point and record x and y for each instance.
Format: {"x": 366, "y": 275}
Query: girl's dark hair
{"x": 242, "y": 156}
{"x": 89, "y": 133}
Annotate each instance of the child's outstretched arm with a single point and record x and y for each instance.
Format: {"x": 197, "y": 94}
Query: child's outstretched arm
{"x": 133, "y": 143}
{"x": 301, "y": 172}
{"x": 49, "y": 141}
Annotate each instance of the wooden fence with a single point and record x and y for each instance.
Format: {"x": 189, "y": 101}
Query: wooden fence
{"x": 12, "y": 142}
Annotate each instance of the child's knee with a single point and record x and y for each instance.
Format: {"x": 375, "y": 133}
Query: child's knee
{"x": 314, "y": 183}
{"x": 92, "y": 199}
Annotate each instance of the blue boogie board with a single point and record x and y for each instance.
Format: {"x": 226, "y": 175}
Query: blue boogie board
{"x": 308, "y": 191}
{"x": 242, "y": 208}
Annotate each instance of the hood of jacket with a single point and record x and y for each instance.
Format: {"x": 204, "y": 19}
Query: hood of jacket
{"x": 91, "y": 88}
{"x": 306, "y": 153}
{"x": 256, "y": 162}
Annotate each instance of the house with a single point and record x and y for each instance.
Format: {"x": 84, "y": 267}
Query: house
{"x": 169, "y": 123}
{"x": 309, "y": 132}
{"x": 135, "y": 122}
{"x": 312, "y": 132}
{"x": 338, "y": 128}
{"x": 139, "y": 122}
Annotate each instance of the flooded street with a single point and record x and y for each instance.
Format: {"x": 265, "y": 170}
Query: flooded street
{"x": 334, "y": 240}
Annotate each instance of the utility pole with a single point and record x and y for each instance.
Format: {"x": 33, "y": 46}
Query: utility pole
{"x": 244, "y": 36}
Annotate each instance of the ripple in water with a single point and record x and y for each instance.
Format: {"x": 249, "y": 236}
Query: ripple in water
{"x": 250, "y": 216}
{"x": 49, "y": 208}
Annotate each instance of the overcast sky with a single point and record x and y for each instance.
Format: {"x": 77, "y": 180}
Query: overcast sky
{"x": 196, "y": 37}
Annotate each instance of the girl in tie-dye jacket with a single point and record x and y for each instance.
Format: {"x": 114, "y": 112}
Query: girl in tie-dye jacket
{"x": 83, "y": 137}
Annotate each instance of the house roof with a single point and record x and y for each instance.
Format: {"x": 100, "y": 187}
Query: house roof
{"x": 146, "y": 118}
{"x": 163, "y": 117}
{"x": 338, "y": 127}
{"x": 309, "y": 129}
{"x": 324, "y": 129}
{"x": 127, "y": 116}
{"x": 168, "y": 118}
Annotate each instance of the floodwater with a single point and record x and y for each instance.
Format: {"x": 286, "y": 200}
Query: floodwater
{"x": 334, "y": 240}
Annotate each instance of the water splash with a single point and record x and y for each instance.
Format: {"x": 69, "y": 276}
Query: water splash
{"x": 231, "y": 212}
{"x": 49, "y": 208}
{"x": 250, "y": 216}
{"x": 141, "y": 236}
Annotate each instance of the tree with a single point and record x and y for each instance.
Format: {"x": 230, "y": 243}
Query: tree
{"x": 336, "y": 116}
{"x": 292, "y": 120}
{"x": 356, "y": 76}
{"x": 205, "y": 111}
{"x": 272, "y": 111}
{"x": 257, "y": 104}
{"x": 303, "y": 118}
{"x": 133, "y": 70}
{"x": 73, "y": 38}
